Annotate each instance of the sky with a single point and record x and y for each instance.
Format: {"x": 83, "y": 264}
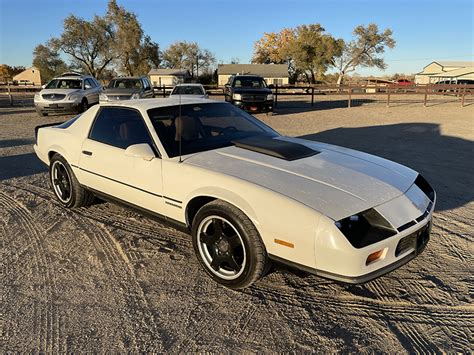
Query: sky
{"x": 425, "y": 30}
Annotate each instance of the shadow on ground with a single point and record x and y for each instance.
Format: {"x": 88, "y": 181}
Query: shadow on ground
{"x": 14, "y": 166}
{"x": 297, "y": 106}
{"x": 7, "y": 143}
{"x": 447, "y": 162}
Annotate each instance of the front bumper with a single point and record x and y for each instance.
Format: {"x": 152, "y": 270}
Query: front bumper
{"x": 263, "y": 106}
{"x": 57, "y": 106}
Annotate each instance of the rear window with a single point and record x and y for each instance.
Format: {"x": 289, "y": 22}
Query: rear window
{"x": 125, "y": 84}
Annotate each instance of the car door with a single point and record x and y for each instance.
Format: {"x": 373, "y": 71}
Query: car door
{"x": 148, "y": 90}
{"x": 91, "y": 91}
{"x": 107, "y": 168}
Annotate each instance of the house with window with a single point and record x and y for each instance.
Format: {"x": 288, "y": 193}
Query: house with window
{"x": 446, "y": 71}
{"x": 276, "y": 74}
{"x": 30, "y": 76}
{"x": 168, "y": 77}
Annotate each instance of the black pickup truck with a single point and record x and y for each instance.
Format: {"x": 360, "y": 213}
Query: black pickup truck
{"x": 250, "y": 93}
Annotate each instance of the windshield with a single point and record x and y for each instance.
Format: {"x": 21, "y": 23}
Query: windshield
{"x": 204, "y": 127}
{"x": 64, "y": 84}
{"x": 249, "y": 82}
{"x": 187, "y": 90}
{"x": 125, "y": 84}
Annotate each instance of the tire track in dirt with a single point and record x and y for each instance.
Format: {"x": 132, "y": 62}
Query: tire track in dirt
{"x": 117, "y": 264}
{"x": 49, "y": 332}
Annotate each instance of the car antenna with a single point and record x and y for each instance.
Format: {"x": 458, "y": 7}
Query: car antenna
{"x": 179, "y": 128}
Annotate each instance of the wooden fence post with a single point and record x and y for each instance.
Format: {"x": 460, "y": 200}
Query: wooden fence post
{"x": 312, "y": 96}
{"x": 349, "y": 101}
{"x": 426, "y": 96}
{"x": 388, "y": 97}
{"x": 463, "y": 94}
{"x": 164, "y": 91}
{"x": 10, "y": 95}
{"x": 276, "y": 96}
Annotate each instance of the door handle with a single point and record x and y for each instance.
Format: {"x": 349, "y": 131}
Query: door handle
{"x": 86, "y": 152}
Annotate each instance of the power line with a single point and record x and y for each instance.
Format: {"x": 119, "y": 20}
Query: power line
{"x": 431, "y": 58}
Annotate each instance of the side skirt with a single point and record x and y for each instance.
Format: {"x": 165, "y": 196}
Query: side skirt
{"x": 180, "y": 226}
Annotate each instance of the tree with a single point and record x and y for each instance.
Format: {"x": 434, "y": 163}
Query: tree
{"x": 314, "y": 51}
{"x": 135, "y": 53}
{"x": 188, "y": 55}
{"x": 90, "y": 44}
{"x": 364, "y": 50}
{"x": 306, "y": 49}
{"x": 48, "y": 62}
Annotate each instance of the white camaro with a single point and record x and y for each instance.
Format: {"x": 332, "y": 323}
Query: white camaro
{"x": 246, "y": 194}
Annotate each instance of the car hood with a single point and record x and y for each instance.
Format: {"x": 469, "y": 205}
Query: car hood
{"x": 121, "y": 91}
{"x": 252, "y": 91}
{"x": 337, "y": 182}
{"x": 59, "y": 91}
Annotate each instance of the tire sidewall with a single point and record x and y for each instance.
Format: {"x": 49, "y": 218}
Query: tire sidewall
{"x": 250, "y": 266}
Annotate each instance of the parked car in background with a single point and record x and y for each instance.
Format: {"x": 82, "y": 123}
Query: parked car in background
{"x": 126, "y": 88}
{"x": 70, "y": 92}
{"x": 405, "y": 82}
{"x": 189, "y": 90}
{"x": 250, "y": 93}
{"x": 245, "y": 194}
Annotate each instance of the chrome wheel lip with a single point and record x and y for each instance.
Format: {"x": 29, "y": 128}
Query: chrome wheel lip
{"x": 206, "y": 255}
{"x": 57, "y": 187}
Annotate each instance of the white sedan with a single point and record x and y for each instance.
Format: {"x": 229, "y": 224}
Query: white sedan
{"x": 189, "y": 91}
{"x": 246, "y": 194}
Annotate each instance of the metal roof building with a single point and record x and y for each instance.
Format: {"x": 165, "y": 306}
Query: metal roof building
{"x": 445, "y": 70}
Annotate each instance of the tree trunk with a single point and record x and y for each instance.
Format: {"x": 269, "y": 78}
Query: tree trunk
{"x": 340, "y": 78}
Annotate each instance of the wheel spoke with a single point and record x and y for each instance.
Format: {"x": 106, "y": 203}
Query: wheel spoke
{"x": 232, "y": 263}
{"x": 216, "y": 263}
{"x": 64, "y": 194}
{"x": 234, "y": 241}
{"x": 57, "y": 182}
{"x": 218, "y": 228}
{"x": 208, "y": 239}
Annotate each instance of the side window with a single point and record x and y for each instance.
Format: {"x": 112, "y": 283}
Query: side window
{"x": 119, "y": 127}
{"x": 146, "y": 84}
{"x": 90, "y": 84}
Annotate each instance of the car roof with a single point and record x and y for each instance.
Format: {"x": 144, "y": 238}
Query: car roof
{"x": 189, "y": 84}
{"x": 147, "y": 104}
{"x": 129, "y": 77}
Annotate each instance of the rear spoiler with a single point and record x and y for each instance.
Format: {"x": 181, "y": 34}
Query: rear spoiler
{"x": 45, "y": 125}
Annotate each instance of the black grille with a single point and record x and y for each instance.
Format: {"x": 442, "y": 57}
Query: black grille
{"x": 416, "y": 240}
{"x": 53, "y": 97}
{"x": 256, "y": 98}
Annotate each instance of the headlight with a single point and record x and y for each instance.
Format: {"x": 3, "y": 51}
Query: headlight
{"x": 103, "y": 97}
{"x": 270, "y": 97}
{"x": 135, "y": 96}
{"x": 237, "y": 97}
{"x": 74, "y": 97}
{"x": 365, "y": 228}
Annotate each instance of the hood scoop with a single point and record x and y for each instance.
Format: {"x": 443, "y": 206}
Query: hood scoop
{"x": 275, "y": 147}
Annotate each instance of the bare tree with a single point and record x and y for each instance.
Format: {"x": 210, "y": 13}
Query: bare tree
{"x": 364, "y": 50}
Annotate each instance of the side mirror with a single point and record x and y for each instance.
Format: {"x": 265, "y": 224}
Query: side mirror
{"x": 271, "y": 86}
{"x": 142, "y": 150}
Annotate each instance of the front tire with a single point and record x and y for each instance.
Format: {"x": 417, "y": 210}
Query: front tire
{"x": 65, "y": 186}
{"x": 84, "y": 106}
{"x": 228, "y": 246}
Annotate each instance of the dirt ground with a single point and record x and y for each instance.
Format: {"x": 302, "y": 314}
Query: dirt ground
{"x": 104, "y": 278}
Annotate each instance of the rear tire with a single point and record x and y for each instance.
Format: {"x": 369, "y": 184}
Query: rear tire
{"x": 66, "y": 188}
{"x": 228, "y": 246}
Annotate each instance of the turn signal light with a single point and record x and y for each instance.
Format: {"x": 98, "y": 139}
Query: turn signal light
{"x": 374, "y": 257}
{"x": 284, "y": 243}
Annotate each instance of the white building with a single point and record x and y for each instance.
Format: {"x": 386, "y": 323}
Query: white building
{"x": 445, "y": 71}
{"x": 168, "y": 77}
